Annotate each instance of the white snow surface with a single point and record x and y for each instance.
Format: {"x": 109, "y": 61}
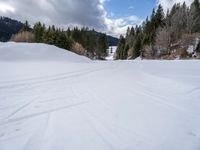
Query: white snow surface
{"x": 111, "y": 52}
{"x": 50, "y": 103}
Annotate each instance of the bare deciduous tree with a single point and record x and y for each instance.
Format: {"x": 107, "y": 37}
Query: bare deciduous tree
{"x": 24, "y": 36}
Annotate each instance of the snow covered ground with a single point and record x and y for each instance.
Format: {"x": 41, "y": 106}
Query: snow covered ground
{"x": 51, "y": 99}
{"x": 111, "y": 52}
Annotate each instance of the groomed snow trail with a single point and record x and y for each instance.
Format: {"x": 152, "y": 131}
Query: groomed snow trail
{"x": 47, "y": 103}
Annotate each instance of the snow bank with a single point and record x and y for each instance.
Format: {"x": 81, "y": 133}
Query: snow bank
{"x": 36, "y": 52}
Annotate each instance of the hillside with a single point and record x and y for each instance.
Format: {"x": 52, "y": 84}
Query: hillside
{"x": 112, "y": 41}
{"x": 8, "y": 27}
{"x": 51, "y": 99}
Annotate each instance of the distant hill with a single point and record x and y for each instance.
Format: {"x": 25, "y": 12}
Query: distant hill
{"x": 113, "y": 41}
{"x": 8, "y": 27}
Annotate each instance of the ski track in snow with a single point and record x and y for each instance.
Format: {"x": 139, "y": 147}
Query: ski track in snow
{"x": 122, "y": 105}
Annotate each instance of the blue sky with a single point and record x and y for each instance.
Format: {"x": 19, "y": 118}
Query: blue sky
{"x": 122, "y": 14}
{"x": 123, "y": 8}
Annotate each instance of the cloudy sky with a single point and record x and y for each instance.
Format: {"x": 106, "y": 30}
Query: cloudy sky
{"x": 110, "y": 16}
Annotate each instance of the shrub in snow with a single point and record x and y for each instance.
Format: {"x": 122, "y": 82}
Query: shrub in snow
{"x": 24, "y": 36}
{"x": 78, "y": 48}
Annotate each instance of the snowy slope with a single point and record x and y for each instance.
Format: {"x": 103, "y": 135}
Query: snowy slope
{"x": 111, "y": 52}
{"x": 36, "y": 52}
{"x": 122, "y": 105}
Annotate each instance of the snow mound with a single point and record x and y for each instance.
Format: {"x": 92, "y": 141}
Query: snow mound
{"x": 36, "y": 52}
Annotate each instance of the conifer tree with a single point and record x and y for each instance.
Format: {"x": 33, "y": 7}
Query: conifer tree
{"x": 102, "y": 43}
{"x": 120, "y": 48}
{"x": 159, "y": 17}
{"x": 195, "y": 16}
{"x": 26, "y": 27}
{"x": 137, "y": 45}
{"x": 198, "y": 47}
{"x": 38, "y": 31}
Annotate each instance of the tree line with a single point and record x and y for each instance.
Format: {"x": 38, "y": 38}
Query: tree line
{"x": 88, "y": 42}
{"x": 160, "y": 31}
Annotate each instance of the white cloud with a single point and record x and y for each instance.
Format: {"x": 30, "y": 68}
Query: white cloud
{"x": 130, "y": 7}
{"x": 6, "y": 8}
{"x": 58, "y": 12}
{"x": 64, "y": 13}
{"x": 167, "y": 4}
{"x": 119, "y": 26}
